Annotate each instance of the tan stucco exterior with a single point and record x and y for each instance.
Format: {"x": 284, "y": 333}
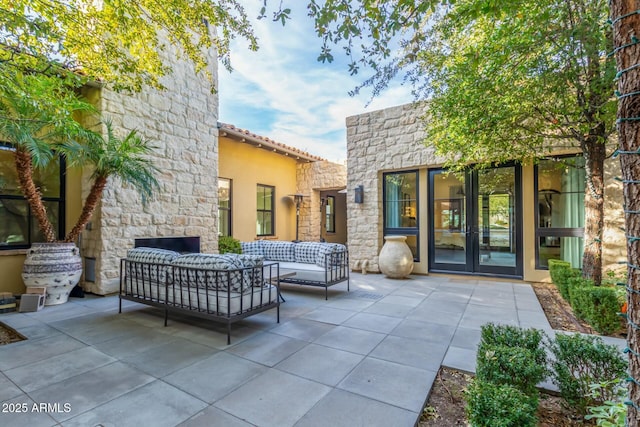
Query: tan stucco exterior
{"x": 247, "y": 166}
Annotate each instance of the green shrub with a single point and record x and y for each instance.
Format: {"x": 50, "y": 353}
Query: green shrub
{"x": 609, "y": 413}
{"x": 579, "y": 295}
{"x": 514, "y": 366}
{"x": 229, "y": 245}
{"x": 492, "y": 405}
{"x": 555, "y": 267}
{"x": 512, "y": 336}
{"x": 600, "y": 309}
{"x": 580, "y": 361}
{"x": 561, "y": 272}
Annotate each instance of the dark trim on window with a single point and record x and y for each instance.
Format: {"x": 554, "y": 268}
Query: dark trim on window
{"x": 404, "y": 231}
{"x": 272, "y": 210}
{"x": 60, "y": 200}
{"x": 229, "y": 209}
{"x": 330, "y": 218}
{"x": 549, "y": 231}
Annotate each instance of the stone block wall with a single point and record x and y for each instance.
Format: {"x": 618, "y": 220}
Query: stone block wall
{"x": 383, "y": 140}
{"x": 312, "y": 178}
{"x": 182, "y": 123}
{"x": 394, "y": 139}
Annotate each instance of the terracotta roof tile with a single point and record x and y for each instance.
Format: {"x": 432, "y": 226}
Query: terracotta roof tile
{"x": 270, "y": 142}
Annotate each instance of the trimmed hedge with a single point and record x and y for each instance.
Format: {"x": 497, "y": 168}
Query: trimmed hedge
{"x": 599, "y": 306}
{"x": 582, "y": 360}
{"x": 507, "y": 365}
{"x": 513, "y": 336}
{"x": 561, "y": 272}
{"x": 494, "y": 405}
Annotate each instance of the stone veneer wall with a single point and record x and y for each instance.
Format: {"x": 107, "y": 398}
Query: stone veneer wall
{"x": 312, "y": 178}
{"x": 388, "y": 139}
{"x": 393, "y": 139}
{"x": 182, "y": 123}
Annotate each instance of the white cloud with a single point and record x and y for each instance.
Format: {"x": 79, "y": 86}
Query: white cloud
{"x": 283, "y": 93}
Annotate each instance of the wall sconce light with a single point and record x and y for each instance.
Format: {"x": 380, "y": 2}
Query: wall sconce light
{"x": 359, "y": 194}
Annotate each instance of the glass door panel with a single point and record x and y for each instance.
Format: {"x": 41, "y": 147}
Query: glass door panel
{"x": 475, "y": 221}
{"x": 449, "y": 220}
{"x": 495, "y": 217}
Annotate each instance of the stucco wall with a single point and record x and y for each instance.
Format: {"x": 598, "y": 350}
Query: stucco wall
{"x": 393, "y": 139}
{"x": 182, "y": 123}
{"x": 247, "y": 165}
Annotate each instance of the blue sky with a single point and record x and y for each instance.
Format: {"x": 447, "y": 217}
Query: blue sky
{"x": 283, "y": 93}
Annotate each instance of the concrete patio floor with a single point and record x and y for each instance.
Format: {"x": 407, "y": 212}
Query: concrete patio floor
{"x": 367, "y": 357}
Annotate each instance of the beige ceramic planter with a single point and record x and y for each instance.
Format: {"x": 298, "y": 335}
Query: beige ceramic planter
{"x": 395, "y": 260}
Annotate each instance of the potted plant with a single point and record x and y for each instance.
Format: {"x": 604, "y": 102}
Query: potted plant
{"x": 38, "y": 118}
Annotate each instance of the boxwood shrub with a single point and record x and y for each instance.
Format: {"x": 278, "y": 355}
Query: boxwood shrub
{"x": 516, "y": 366}
{"x": 581, "y": 360}
{"x": 561, "y": 272}
{"x": 599, "y": 306}
{"x": 499, "y": 405}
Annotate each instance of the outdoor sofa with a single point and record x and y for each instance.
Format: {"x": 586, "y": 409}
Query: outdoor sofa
{"x": 224, "y": 288}
{"x": 304, "y": 263}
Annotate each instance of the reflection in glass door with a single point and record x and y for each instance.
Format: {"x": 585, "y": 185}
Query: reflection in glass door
{"x": 449, "y": 234}
{"x": 476, "y": 223}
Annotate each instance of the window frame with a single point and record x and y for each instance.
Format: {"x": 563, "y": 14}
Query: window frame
{"x": 229, "y": 209}
{"x": 408, "y": 231}
{"x": 549, "y": 231}
{"x": 61, "y": 201}
{"x": 330, "y": 217}
{"x": 272, "y": 210}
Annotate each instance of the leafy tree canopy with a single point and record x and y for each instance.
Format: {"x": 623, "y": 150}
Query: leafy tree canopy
{"x": 117, "y": 42}
{"x": 504, "y": 78}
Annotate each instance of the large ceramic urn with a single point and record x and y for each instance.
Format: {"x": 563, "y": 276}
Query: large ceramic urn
{"x": 57, "y": 266}
{"x": 395, "y": 260}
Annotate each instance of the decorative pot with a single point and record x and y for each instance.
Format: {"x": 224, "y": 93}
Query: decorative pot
{"x": 395, "y": 259}
{"x": 57, "y": 266}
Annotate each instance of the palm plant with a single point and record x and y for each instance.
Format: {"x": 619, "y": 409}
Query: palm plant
{"x": 38, "y": 117}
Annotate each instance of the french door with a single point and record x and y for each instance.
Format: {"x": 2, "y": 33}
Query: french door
{"x": 476, "y": 223}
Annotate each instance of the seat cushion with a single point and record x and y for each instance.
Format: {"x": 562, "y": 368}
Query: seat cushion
{"x": 307, "y": 252}
{"x": 252, "y": 248}
{"x": 152, "y": 255}
{"x": 324, "y": 255}
{"x": 209, "y": 271}
{"x": 279, "y": 251}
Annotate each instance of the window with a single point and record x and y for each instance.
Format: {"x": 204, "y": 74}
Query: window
{"x": 401, "y": 207}
{"x": 265, "y": 218}
{"x": 224, "y": 207}
{"x": 330, "y": 214}
{"x": 18, "y": 228}
{"x": 560, "y": 185}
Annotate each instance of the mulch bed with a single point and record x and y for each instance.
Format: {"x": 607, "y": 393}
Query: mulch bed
{"x": 9, "y": 335}
{"x": 445, "y": 406}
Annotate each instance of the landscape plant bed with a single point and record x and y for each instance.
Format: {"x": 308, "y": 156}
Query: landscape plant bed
{"x": 9, "y": 335}
{"x": 446, "y": 404}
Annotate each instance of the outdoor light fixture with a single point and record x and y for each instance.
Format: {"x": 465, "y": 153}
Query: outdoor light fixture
{"x": 359, "y": 194}
{"x": 297, "y": 199}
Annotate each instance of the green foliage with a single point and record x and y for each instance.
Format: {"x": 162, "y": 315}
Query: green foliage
{"x": 510, "y": 365}
{"x": 573, "y": 286}
{"x": 494, "y": 405}
{"x": 229, "y": 245}
{"x": 492, "y": 335}
{"x": 123, "y": 43}
{"x": 599, "y": 306}
{"x": 610, "y": 413}
{"x": 561, "y": 272}
{"x": 580, "y": 361}
{"x": 38, "y": 117}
